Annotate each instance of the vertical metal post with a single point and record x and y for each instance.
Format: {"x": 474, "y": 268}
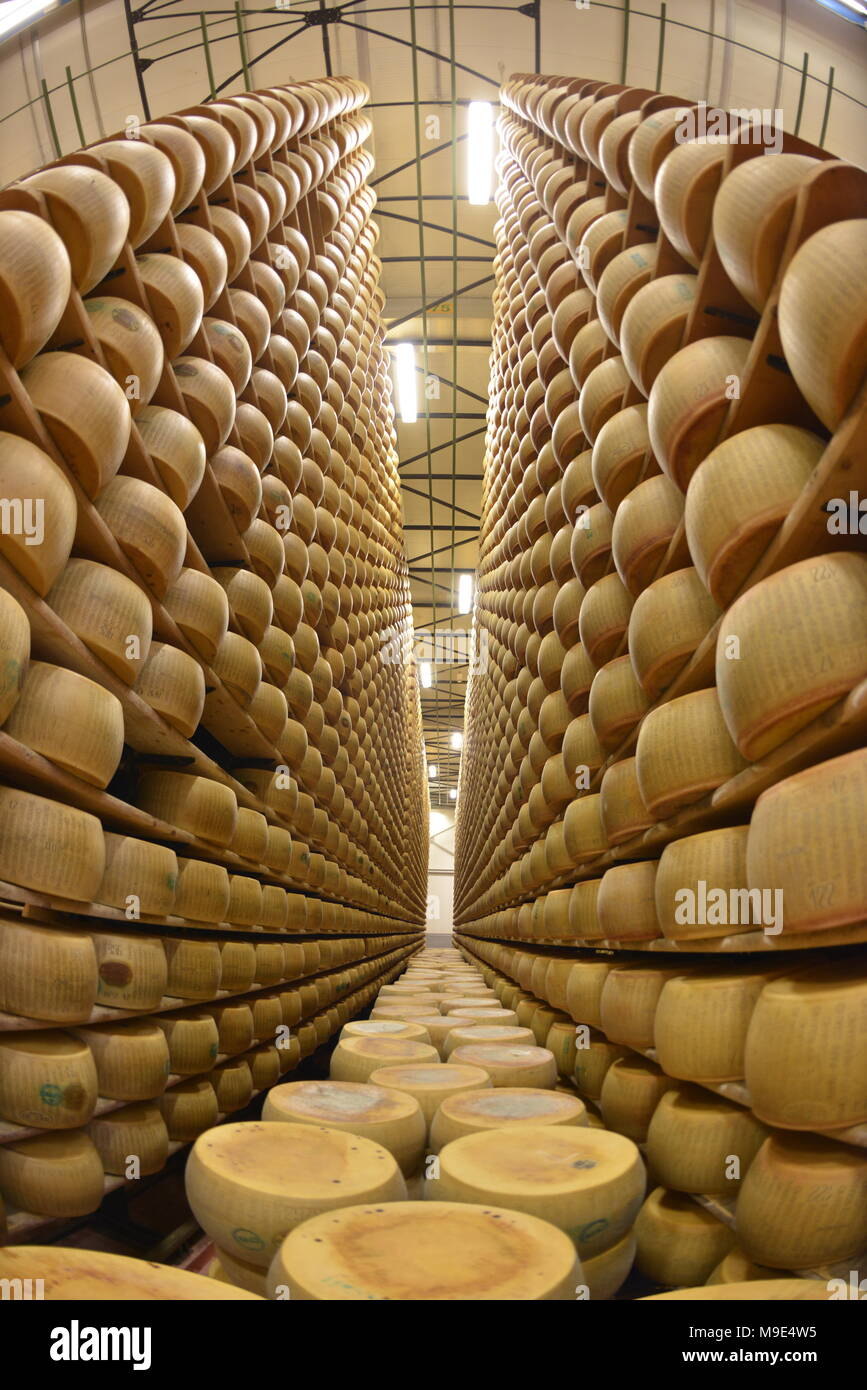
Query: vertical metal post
{"x": 137, "y": 62}
{"x": 625, "y": 53}
{"x": 50, "y": 115}
{"x": 207, "y": 47}
{"x": 826, "y": 113}
{"x": 75, "y": 111}
{"x": 802, "y": 93}
{"x": 662, "y": 15}
{"x": 537, "y": 36}
{"x": 242, "y": 44}
{"x": 454, "y": 104}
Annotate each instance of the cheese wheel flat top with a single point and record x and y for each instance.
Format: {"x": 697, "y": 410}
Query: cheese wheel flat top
{"x": 95, "y": 1276}
{"x": 515, "y": 1105}
{"x": 427, "y": 1251}
{"x": 544, "y": 1159}
{"x": 499, "y": 1055}
{"x": 385, "y": 1027}
{"x": 341, "y": 1101}
{"x": 280, "y": 1160}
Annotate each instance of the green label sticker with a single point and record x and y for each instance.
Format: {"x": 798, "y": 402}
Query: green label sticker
{"x": 50, "y": 1094}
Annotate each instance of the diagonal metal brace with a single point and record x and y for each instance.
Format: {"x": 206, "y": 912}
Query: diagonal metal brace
{"x": 312, "y": 18}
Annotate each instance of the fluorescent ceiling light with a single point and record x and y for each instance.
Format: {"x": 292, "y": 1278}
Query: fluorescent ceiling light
{"x": 432, "y": 771}
{"x": 425, "y": 675}
{"x": 465, "y": 593}
{"x": 480, "y": 152}
{"x": 453, "y": 794}
{"x": 457, "y": 739}
{"x": 404, "y": 357}
{"x": 17, "y": 12}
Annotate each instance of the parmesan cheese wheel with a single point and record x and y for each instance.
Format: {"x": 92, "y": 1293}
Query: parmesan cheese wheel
{"x": 83, "y": 1276}
{"x": 189, "y": 1109}
{"x": 431, "y": 1251}
{"x": 194, "y": 968}
{"x": 668, "y": 622}
{"x": 139, "y": 875}
{"x": 431, "y": 1084}
{"x": 54, "y": 1174}
{"x": 208, "y": 397}
{"x": 46, "y": 974}
{"x": 267, "y": 1017}
{"x": 185, "y": 155}
{"x": 390, "y": 1116}
{"x": 269, "y": 962}
{"x": 624, "y": 814}
{"x": 192, "y": 1039}
{"x": 35, "y": 280}
{"x": 505, "y": 1107}
{"x": 823, "y": 318}
{"x": 701, "y": 886}
{"x": 356, "y": 1058}
{"x": 37, "y": 538}
{"x": 617, "y": 703}
{"x": 14, "y": 651}
{"x": 689, "y": 400}
{"x": 604, "y": 618}
{"x": 684, "y": 191}
{"x": 203, "y": 251}
{"x": 588, "y": 1182}
{"x": 701, "y": 1022}
{"x": 245, "y": 902}
{"x": 801, "y": 644}
{"x": 52, "y": 848}
{"x": 646, "y": 520}
{"x": 751, "y": 218}
{"x": 738, "y": 1268}
{"x": 606, "y": 1272}
{"x": 132, "y": 970}
{"x": 175, "y": 298}
{"x": 90, "y": 214}
{"x": 619, "y": 281}
{"x": 147, "y": 179}
{"x": 437, "y": 1028}
{"x": 684, "y": 751}
{"x": 47, "y": 1080}
{"x": 584, "y": 985}
{"x": 631, "y": 1091}
{"x": 108, "y": 612}
{"x": 134, "y": 1131}
{"x": 787, "y": 1290}
{"x": 652, "y": 328}
{"x": 131, "y": 346}
{"x": 239, "y": 667}
{"x": 233, "y": 1085}
{"x": 464, "y": 1032}
{"x": 201, "y": 610}
{"x": 206, "y": 809}
{"x": 89, "y": 742}
{"x": 801, "y": 1024}
{"x": 234, "y": 1026}
{"x": 678, "y": 1242}
{"x": 652, "y": 140}
{"x": 85, "y": 412}
{"x": 149, "y": 528}
{"x": 739, "y": 496}
{"x": 628, "y": 1003}
{"x": 803, "y": 1203}
{"x": 698, "y": 1142}
{"x": 202, "y": 891}
{"x": 515, "y": 1064}
{"x": 250, "y": 1184}
{"x": 239, "y": 1273}
{"x": 626, "y": 903}
{"x": 172, "y": 682}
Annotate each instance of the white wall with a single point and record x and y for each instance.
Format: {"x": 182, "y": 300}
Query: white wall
{"x": 440, "y": 883}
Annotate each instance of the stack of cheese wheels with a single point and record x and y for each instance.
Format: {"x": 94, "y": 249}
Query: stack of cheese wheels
{"x": 588, "y": 1182}
{"x": 679, "y": 1242}
{"x": 698, "y": 1142}
{"x": 91, "y": 1276}
{"x": 429, "y": 1251}
{"x": 505, "y": 1107}
{"x": 391, "y": 1117}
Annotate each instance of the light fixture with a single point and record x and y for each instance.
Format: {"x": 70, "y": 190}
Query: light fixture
{"x": 457, "y": 740}
{"x": 404, "y": 357}
{"x": 453, "y": 794}
{"x": 432, "y": 771}
{"x": 480, "y": 152}
{"x": 425, "y": 675}
{"x": 18, "y": 12}
{"x": 852, "y": 10}
{"x": 465, "y": 593}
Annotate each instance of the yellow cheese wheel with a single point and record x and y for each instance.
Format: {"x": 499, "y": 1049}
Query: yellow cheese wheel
{"x": 90, "y": 214}
{"x": 85, "y": 412}
{"x": 438, "y": 1028}
{"x": 14, "y": 651}
{"x": 110, "y": 614}
{"x": 653, "y": 324}
{"x": 668, "y": 622}
{"x": 85, "y": 1276}
{"x": 269, "y": 963}
{"x": 239, "y": 1273}
{"x": 250, "y": 1184}
{"x": 189, "y": 1109}
{"x": 823, "y": 318}
{"x": 688, "y": 402}
{"x": 588, "y": 1182}
{"x": 803, "y": 1203}
{"x": 38, "y": 536}
{"x": 47, "y": 1080}
{"x": 738, "y": 1268}
{"x": 245, "y": 902}
{"x": 716, "y": 859}
{"x": 801, "y": 638}
{"x": 54, "y": 1174}
{"x": 651, "y": 141}
{"x": 132, "y": 1059}
{"x": 201, "y": 610}
{"x": 233, "y": 1085}
{"x": 431, "y": 1083}
{"x": 631, "y": 1091}
{"x": 698, "y": 1142}
{"x": 619, "y": 281}
{"x": 203, "y": 251}
{"x": 90, "y": 740}
{"x": 390, "y": 1116}
{"x": 206, "y": 809}
{"x": 684, "y": 190}
{"x": 767, "y": 1290}
{"x": 147, "y": 179}
{"x": 515, "y": 1064}
{"x": 52, "y": 848}
{"x": 131, "y": 346}
{"x": 149, "y": 528}
{"x": 175, "y": 297}
{"x": 35, "y": 281}
{"x": 201, "y": 891}
{"x": 172, "y": 682}
{"x": 356, "y": 1058}
{"x": 626, "y": 904}
{"x": 677, "y": 1241}
{"x": 604, "y": 618}
{"x": 466, "y": 1032}
{"x": 234, "y": 1026}
{"x": 134, "y": 1131}
{"x": 431, "y": 1251}
{"x": 821, "y": 812}
{"x": 194, "y": 966}
{"x": 800, "y": 1028}
{"x": 617, "y": 703}
{"x": 684, "y": 751}
{"x": 624, "y": 814}
{"x": 239, "y": 667}
{"x": 192, "y": 1039}
{"x": 45, "y": 973}
{"x": 646, "y": 521}
{"x": 606, "y": 1272}
{"x": 177, "y": 450}
{"x": 701, "y": 1022}
{"x": 504, "y": 1107}
{"x": 584, "y": 985}
{"x": 208, "y": 397}
{"x": 628, "y": 1003}
{"x": 132, "y": 970}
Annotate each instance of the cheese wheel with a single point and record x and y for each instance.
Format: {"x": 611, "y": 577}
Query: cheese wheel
{"x": 108, "y": 612}
{"x": 414, "y": 1251}
{"x": 250, "y": 1184}
{"x": 204, "y": 808}
{"x": 803, "y": 1203}
{"x": 89, "y": 213}
{"x": 131, "y": 346}
{"x": 506, "y": 1107}
{"x": 820, "y": 812}
{"x": 356, "y": 1058}
{"x": 192, "y": 1040}
{"x": 54, "y": 1174}
{"x": 85, "y": 412}
{"x": 52, "y": 848}
{"x": 390, "y": 1116}
{"x": 233, "y": 1085}
{"x": 139, "y": 876}
{"x": 515, "y": 1064}
{"x": 430, "y": 1084}
{"x": 631, "y": 1091}
{"x": 37, "y": 536}
{"x": 698, "y": 1142}
{"x": 245, "y": 902}
{"x": 147, "y": 179}
{"x": 132, "y": 970}
{"x": 787, "y": 1290}
{"x": 822, "y": 317}
{"x": 619, "y": 281}
{"x": 234, "y": 1026}
{"x": 626, "y": 904}
{"x": 584, "y": 985}
{"x": 193, "y": 968}
{"x": 587, "y": 1182}
{"x": 35, "y": 280}
{"x": 269, "y": 962}
{"x": 189, "y": 1109}
{"x": 677, "y": 1241}
{"x": 701, "y": 886}
{"x": 267, "y": 1017}
{"x": 653, "y": 324}
{"x": 624, "y": 814}
{"x": 684, "y": 190}
{"x": 684, "y": 751}
{"x": 269, "y": 712}
{"x": 464, "y": 1032}
{"x": 47, "y": 1080}
{"x": 134, "y": 1131}
{"x": 239, "y": 1273}
{"x": 208, "y": 397}
{"x": 606, "y": 1272}
{"x": 701, "y": 1022}
{"x": 89, "y": 742}
{"x": 617, "y": 703}
{"x": 504, "y": 1017}
{"x": 14, "y": 651}
{"x": 200, "y": 608}
{"x": 801, "y": 637}
{"x": 84, "y": 1276}
{"x": 172, "y": 682}
{"x": 149, "y": 528}
{"x": 175, "y": 298}
{"x": 669, "y": 620}
{"x": 201, "y": 891}
{"x": 132, "y": 1059}
{"x": 204, "y": 253}
{"x": 646, "y": 521}
{"x": 437, "y": 1028}
{"x": 45, "y": 973}
{"x": 177, "y": 450}
{"x": 737, "y": 1268}
{"x": 628, "y": 1003}
{"x": 802, "y": 1023}
{"x": 689, "y": 400}
{"x": 652, "y": 140}
{"x": 239, "y": 667}
{"x": 604, "y": 617}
